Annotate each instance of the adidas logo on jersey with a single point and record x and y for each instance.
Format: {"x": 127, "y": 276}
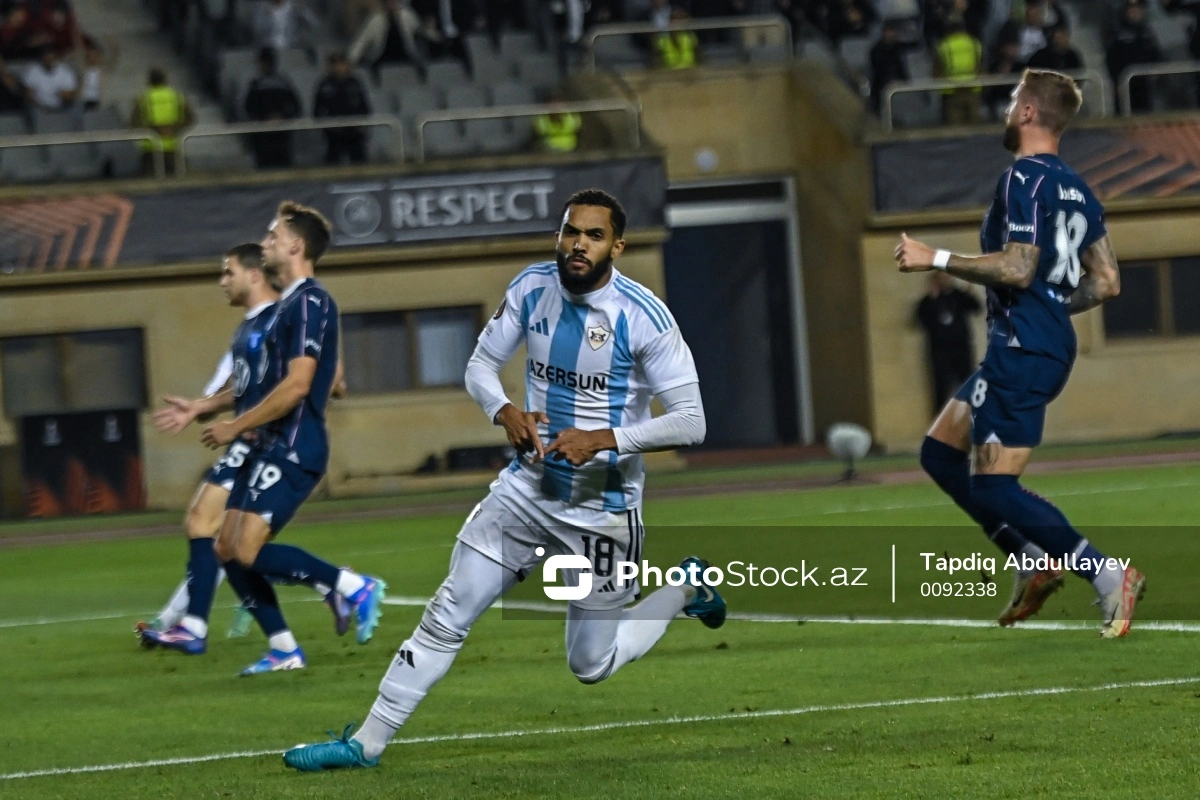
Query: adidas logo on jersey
{"x": 542, "y": 327}
{"x": 607, "y": 588}
{"x": 405, "y": 657}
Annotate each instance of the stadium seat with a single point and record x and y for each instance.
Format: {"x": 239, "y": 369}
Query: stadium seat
{"x": 513, "y": 93}
{"x": 514, "y": 44}
{"x": 296, "y": 59}
{"x": 446, "y": 139}
{"x": 539, "y": 70}
{"x": 856, "y": 51}
{"x": 102, "y": 119}
{"x": 13, "y": 125}
{"x": 466, "y": 96}
{"x": 398, "y": 76}
{"x": 619, "y": 52}
{"x": 481, "y": 56}
{"x": 447, "y": 72}
{"x": 25, "y": 164}
{"x": 56, "y": 121}
{"x": 76, "y": 162}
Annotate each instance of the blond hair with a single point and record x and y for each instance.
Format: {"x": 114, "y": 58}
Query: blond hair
{"x": 1056, "y": 96}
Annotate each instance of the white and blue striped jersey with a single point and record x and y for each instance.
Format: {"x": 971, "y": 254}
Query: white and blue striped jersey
{"x": 593, "y": 361}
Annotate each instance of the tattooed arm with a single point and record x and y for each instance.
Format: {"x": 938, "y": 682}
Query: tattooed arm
{"x": 1014, "y": 266}
{"x": 1101, "y": 280}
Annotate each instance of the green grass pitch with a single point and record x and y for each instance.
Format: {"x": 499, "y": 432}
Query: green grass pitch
{"x": 757, "y": 709}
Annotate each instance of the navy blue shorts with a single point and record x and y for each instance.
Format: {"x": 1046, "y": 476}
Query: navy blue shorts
{"x": 224, "y": 472}
{"x": 271, "y": 487}
{"x": 1008, "y": 396}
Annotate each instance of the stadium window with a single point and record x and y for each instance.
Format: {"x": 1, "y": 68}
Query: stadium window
{"x": 1185, "y": 295}
{"x": 394, "y": 351}
{"x": 70, "y": 372}
{"x": 1138, "y": 310}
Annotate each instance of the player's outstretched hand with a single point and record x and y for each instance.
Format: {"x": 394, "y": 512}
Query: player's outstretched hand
{"x": 219, "y": 434}
{"x": 913, "y": 256}
{"x": 177, "y": 415}
{"x": 522, "y": 430}
{"x": 578, "y": 447}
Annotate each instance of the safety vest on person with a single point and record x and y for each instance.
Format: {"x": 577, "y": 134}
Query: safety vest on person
{"x": 162, "y": 107}
{"x": 678, "y": 51}
{"x": 960, "y": 55}
{"x": 560, "y": 132}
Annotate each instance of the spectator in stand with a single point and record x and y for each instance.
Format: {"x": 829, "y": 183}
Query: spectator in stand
{"x": 95, "y": 61}
{"x": 165, "y": 111}
{"x": 887, "y": 62}
{"x": 34, "y": 24}
{"x": 1005, "y": 61}
{"x": 677, "y": 49}
{"x": 849, "y": 18}
{"x": 389, "y": 36}
{"x": 12, "y": 93}
{"x": 341, "y": 94}
{"x": 558, "y": 130}
{"x": 973, "y": 13}
{"x": 960, "y": 58}
{"x": 1058, "y": 55}
{"x": 50, "y": 84}
{"x": 1191, "y": 7}
{"x": 945, "y": 313}
{"x": 1132, "y": 42}
{"x": 271, "y": 98}
{"x": 283, "y": 24}
{"x": 1029, "y": 35}
{"x": 445, "y": 22}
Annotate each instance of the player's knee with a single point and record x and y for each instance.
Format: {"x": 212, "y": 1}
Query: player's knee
{"x": 440, "y": 628}
{"x": 200, "y": 525}
{"x": 590, "y": 664}
{"x": 225, "y": 550}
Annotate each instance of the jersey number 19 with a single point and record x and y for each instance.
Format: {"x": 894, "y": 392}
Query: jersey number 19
{"x": 1068, "y": 236}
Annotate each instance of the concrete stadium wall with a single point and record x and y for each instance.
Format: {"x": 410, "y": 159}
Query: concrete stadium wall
{"x": 1125, "y": 388}
{"x": 375, "y": 438}
{"x": 794, "y": 120}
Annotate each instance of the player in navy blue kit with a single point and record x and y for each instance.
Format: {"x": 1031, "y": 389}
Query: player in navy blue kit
{"x": 1047, "y": 256}
{"x": 247, "y": 284}
{"x": 291, "y": 448}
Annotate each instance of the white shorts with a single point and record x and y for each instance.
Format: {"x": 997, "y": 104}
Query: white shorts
{"x": 510, "y": 527}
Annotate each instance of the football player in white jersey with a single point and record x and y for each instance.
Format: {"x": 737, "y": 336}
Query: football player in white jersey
{"x": 600, "y": 347}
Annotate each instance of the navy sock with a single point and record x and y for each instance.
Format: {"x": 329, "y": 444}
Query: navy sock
{"x": 201, "y": 577}
{"x": 285, "y": 562}
{"x": 1038, "y": 518}
{"x": 257, "y": 596}
{"x": 950, "y": 469}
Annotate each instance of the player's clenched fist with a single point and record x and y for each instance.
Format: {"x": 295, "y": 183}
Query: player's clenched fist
{"x": 913, "y": 256}
{"x": 522, "y": 430}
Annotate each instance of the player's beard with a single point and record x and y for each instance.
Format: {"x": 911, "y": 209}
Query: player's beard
{"x": 582, "y": 284}
{"x": 1012, "y": 138}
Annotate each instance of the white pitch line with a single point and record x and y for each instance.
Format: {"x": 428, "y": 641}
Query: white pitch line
{"x": 626, "y": 724}
{"x": 560, "y": 608}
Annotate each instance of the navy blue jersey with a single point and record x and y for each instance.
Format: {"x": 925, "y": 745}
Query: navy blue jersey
{"x": 1040, "y": 201}
{"x": 306, "y": 324}
{"x": 252, "y": 381}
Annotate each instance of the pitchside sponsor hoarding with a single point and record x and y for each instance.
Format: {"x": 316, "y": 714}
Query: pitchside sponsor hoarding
{"x": 194, "y": 224}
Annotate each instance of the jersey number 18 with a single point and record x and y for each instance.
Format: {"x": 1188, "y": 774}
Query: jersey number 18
{"x": 1068, "y": 236}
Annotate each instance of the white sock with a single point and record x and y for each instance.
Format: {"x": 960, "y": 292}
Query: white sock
{"x": 644, "y": 624}
{"x": 283, "y": 641}
{"x": 348, "y": 583}
{"x": 414, "y": 671}
{"x": 176, "y": 607}
{"x": 195, "y": 626}
{"x": 1108, "y": 580}
{"x": 320, "y": 589}
{"x": 1032, "y": 551}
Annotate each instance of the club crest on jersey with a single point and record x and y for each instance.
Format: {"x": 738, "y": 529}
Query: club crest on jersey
{"x": 598, "y": 337}
{"x": 255, "y": 340}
